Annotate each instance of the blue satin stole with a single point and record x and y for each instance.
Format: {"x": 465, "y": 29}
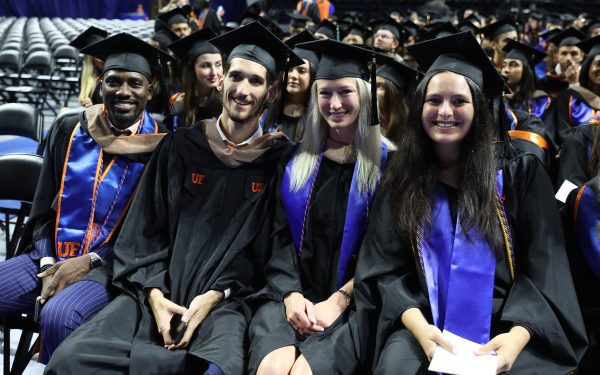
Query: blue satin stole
{"x": 587, "y": 219}
{"x": 91, "y": 205}
{"x": 296, "y": 203}
{"x": 459, "y": 272}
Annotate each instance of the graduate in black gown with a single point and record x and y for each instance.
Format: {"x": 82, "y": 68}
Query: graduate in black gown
{"x": 186, "y": 254}
{"x": 576, "y": 150}
{"x": 456, "y": 194}
{"x": 582, "y": 219}
{"x": 325, "y": 189}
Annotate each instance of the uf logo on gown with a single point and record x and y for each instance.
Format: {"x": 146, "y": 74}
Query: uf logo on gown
{"x": 197, "y": 178}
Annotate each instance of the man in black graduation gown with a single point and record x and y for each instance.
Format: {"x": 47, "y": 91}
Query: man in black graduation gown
{"x": 90, "y": 172}
{"x": 187, "y": 255}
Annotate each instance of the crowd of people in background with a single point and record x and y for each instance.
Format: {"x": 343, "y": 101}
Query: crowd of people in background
{"x": 309, "y": 191}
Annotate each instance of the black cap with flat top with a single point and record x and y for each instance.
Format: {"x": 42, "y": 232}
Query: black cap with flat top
{"x": 569, "y": 37}
{"x": 255, "y": 43}
{"x": 386, "y": 23}
{"x": 524, "y": 53}
{"x": 590, "y": 46}
{"x": 311, "y": 56}
{"x": 328, "y": 29}
{"x": 400, "y": 74}
{"x": 174, "y": 16}
{"x": 196, "y": 44}
{"x": 125, "y": 52}
{"x": 90, "y": 36}
{"x": 496, "y": 29}
{"x": 459, "y": 53}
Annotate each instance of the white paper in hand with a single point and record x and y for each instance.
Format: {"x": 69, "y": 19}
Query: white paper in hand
{"x": 563, "y": 193}
{"x": 465, "y": 362}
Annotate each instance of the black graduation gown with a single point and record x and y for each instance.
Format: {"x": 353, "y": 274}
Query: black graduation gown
{"x": 42, "y": 219}
{"x": 192, "y": 227}
{"x": 314, "y": 274}
{"x": 586, "y": 283}
{"x": 388, "y": 281}
{"x": 574, "y": 107}
{"x": 574, "y": 156}
{"x": 528, "y": 122}
{"x": 292, "y": 127}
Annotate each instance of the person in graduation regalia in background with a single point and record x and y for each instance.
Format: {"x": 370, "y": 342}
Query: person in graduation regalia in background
{"x": 465, "y": 235}
{"x": 289, "y": 113}
{"x": 92, "y": 165}
{"x": 91, "y": 68}
{"x": 201, "y": 80}
{"x": 581, "y": 215}
{"x": 189, "y": 249}
{"x": 325, "y": 190}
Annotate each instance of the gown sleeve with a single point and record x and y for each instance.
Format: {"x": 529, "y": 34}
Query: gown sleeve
{"x": 573, "y": 160}
{"x": 542, "y": 297}
{"x": 386, "y": 284}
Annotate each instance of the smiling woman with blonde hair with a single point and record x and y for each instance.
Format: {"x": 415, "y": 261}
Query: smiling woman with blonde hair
{"x": 325, "y": 190}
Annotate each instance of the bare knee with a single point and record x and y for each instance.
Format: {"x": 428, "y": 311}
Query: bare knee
{"x": 278, "y": 362}
{"x": 301, "y": 367}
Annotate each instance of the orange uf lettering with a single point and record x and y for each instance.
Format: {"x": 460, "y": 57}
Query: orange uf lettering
{"x": 61, "y": 250}
{"x": 197, "y": 179}
{"x": 257, "y": 187}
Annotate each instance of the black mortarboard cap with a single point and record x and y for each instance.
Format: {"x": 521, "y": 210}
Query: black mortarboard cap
{"x": 125, "y": 52}
{"x": 467, "y": 25}
{"x": 297, "y": 20}
{"x": 255, "y": 43}
{"x": 439, "y": 30}
{"x": 459, "y": 53}
{"x": 411, "y": 28}
{"x": 568, "y": 37}
{"x": 537, "y": 16}
{"x": 249, "y": 16}
{"x": 328, "y": 29}
{"x": 546, "y": 35}
{"x": 592, "y": 24}
{"x": 358, "y": 29}
{"x": 524, "y": 53}
{"x": 311, "y": 56}
{"x": 402, "y": 75}
{"x": 493, "y": 30}
{"x": 174, "y": 16}
{"x": 196, "y": 44}
{"x": 386, "y": 23}
{"x": 590, "y": 46}
{"x": 475, "y": 17}
{"x": 90, "y": 36}
{"x": 341, "y": 60}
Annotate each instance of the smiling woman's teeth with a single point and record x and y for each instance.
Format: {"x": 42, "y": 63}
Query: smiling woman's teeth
{"x": 444, "y": 124}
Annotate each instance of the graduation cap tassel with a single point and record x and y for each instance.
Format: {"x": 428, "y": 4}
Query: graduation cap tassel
{"x": 164, "y": 96}
{"x": 374, "y": 110}
{"x": 337, "y": 32}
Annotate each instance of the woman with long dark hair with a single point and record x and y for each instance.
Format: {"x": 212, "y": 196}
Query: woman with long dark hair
{"x": 288, "y": 112}
{"x": 201, "y": 79}
{"x": 464, "y": 236}
{"x": 325, "y": 190}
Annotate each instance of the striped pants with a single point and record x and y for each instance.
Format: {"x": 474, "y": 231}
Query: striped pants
{"x": 61, "y": 314}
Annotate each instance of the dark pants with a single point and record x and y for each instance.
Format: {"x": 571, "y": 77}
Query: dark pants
{"x": 61, "y": 314}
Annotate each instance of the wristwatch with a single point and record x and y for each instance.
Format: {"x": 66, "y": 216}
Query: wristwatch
{"x": 95, "y": 260}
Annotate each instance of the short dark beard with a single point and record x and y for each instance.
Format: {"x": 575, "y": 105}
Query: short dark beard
{"x": 121, "y": 120}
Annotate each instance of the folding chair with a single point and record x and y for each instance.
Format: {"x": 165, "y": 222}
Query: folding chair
{"x": 19, "y": 174}
{"x": 23, "y": 120}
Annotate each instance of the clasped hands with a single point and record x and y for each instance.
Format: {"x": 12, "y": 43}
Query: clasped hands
{"x": 307, "y": 318}
{"x": 164, "y": 309}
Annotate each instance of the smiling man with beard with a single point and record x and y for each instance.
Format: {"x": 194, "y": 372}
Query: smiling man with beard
{"x": 189, "y": 250}
{"x": 93, "y": 163}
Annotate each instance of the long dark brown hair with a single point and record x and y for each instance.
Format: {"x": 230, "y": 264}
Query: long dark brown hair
{"x": 412, "y": 175}
{"x": 196, "y": 107}
{"x": 524, "y": 91}
{"x": 396, "y": 111}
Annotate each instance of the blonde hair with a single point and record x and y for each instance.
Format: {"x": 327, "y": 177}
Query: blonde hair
{"x": 367, "y": 142}
{"x": 88, "y": 79}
